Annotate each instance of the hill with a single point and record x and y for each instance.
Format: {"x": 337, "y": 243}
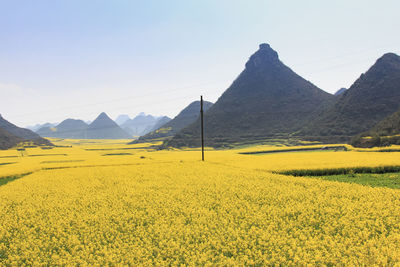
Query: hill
{"x": 160, "y": 122}
{"x": 69, "y": 128}
{"x": 105, "y": 128}
{"x": 187, "y": 116}
{"x": 36, "y": 127}
{"x": 385, "y": 133}
{"x": 373, "y": 97}
{"x": 121, "y": 119}
{"x": 268, "y": 100}
{"x": 12, "y": 134}
{"x": 8, "y": 140}
{"x": 140, "y": 125}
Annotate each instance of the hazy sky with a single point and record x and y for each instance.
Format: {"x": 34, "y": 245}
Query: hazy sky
{"x": 61, "y": 59}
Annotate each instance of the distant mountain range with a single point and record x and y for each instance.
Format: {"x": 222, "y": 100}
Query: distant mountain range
{"x": 187, "y": 116}
{"x": 36, "y": 127}
{"x": 101, "y": 128}
{"x": 142, "y": 124}
{"x": 267, "y": 100}
{"x": 69, "y": 128}
{"x": 11, "y": 135}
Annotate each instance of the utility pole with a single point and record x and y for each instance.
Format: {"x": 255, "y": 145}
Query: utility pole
{"x": 202, "y": 128}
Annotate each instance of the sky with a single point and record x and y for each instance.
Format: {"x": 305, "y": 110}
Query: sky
{"x": 75, "y": 59}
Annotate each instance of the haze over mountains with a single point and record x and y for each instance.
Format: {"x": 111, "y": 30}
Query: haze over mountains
{"x": 142, "y": 124}
{"x": 121, "y": 119}
{"x": 103, "y": 127}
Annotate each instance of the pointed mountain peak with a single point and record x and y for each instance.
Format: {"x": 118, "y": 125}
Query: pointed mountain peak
{"x": 389, "y": 56}
{"x": 102, "y": 119}
{"x": 265, "y": 56}
{"x": 103, "y": 115}
{"x": 388, "y": 59}
{"x": 387, "y": 65}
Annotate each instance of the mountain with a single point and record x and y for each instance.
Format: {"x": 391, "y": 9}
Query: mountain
{"x": 373, "y": 97}
{"x": 267, "y": 100}
{"x": 36, "y": 127}
{"x": 160, "y": 122}
{"x": 12, "y": 132}
{"x": 47, "y": 131}
{"x": 8, "y": 140}
{"x": 69, "y": 128}
{"x": 340, "y": 91}
{"x": 187, "y": 116}
{"x": 385, "y": 133}
{"x": 105, "y": 128}
{"x": 121, "y": 119}
{"x": 140, "y": 125}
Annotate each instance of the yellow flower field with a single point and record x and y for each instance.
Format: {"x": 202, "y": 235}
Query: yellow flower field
{"x": 140, "y": 206}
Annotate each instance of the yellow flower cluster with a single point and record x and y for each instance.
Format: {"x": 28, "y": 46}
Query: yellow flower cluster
{"x": 169, "y": 208}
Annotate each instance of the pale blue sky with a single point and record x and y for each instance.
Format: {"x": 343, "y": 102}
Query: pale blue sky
{"x": 61, "y": 59}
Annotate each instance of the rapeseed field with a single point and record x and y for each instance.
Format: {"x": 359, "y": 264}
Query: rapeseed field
{"x": 108, "y": 203}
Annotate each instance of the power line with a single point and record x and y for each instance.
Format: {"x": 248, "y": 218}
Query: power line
{"x": 119, "y": 99}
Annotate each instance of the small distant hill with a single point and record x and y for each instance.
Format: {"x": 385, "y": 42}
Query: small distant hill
{"x": 12, "y": 134}
{"x": 385, "y": 133}
{"x": 340, "y": 91}
{"x": 160, "y": 122}
{"x": 36, "y": 127}
{"x": 140, "y": 125}
{"x": 267, "y": 100}
{"x": 105, "y": 128}
{"x": 373, "y": 97}
{"x": 187, "y": 116}
{"x": 121, "y": 119}
{"x": 69, "y": 128}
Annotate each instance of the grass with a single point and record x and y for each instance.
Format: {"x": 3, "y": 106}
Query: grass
{"x": 390, "y": 180}
{"x": 117, "y": 154}
{"x": 5, "y": 180}
{"x": 118, "y": 148}
{"x": 382, "y": 176}
{"x": 44, "y": 155}
{"x": 6, "y": 163}
{"x": 342, "y": 171}
{"x": 62, "y": 161}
